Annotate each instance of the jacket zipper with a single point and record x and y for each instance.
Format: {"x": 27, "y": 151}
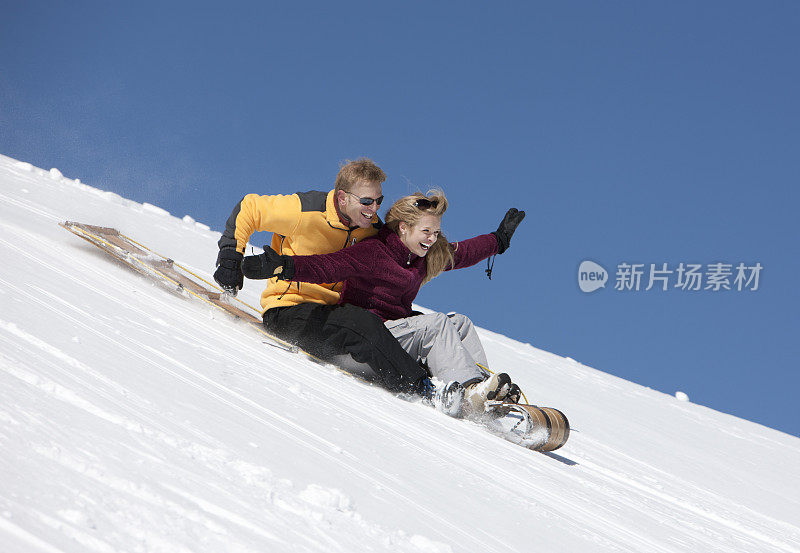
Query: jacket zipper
{"x": 346, "y": 240}
{"x": 290, "y": 282}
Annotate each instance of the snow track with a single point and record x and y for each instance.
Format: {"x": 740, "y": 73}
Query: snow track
{"x": 134, "y": 419}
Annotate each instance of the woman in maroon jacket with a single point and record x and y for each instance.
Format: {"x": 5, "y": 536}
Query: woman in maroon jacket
{"x": 383, "y": 275}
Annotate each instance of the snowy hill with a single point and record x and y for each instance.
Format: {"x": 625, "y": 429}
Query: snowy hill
{"x": 132, "y": 419}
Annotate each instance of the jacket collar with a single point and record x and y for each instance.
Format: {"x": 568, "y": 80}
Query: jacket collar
{"x": 399, "y": 252}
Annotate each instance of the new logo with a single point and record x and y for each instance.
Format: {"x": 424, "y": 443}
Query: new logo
{"x": 591, "y": 276}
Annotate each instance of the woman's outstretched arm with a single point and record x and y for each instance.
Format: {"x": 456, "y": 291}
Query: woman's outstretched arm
{"x": 317, "y": 269}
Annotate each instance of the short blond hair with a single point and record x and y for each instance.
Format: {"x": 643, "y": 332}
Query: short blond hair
{"x": 362, "y": 169}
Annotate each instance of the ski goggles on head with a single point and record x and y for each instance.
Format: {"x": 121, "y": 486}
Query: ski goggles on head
{"x": 425, "y": 203}
{"x": 367, "y": 201}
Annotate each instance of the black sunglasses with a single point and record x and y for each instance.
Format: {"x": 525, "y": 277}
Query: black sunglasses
{"x": 425, "y": 203}
{"x": 367, "y": 201}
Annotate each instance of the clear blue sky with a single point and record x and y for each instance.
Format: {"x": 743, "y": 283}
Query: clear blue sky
{"x": 636, "y": 132}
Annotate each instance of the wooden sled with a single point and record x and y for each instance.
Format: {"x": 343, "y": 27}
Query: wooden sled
{"x": 537, "y": 428}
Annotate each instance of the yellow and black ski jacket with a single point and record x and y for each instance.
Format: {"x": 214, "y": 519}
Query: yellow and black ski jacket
{"x": 305, "y": 223}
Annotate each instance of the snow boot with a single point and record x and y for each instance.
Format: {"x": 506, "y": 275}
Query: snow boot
{"x": 449, "y": 398}
{"x": 495, "y": 387}
{"x": 514, "y": 394}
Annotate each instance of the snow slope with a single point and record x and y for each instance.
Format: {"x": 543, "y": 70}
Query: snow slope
{"x": 132, "y": 419}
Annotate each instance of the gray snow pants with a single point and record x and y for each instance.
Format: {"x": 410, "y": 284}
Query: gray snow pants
{"x": 447, "y": 344}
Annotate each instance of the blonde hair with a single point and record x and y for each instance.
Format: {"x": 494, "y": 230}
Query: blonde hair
{"x": 362, "y": 169}
{"x": 440, "y": 256}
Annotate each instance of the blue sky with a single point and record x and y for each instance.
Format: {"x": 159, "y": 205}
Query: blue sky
{"x": 629, "y": 132}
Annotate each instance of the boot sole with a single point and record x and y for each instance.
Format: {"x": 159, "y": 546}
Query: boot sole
{"x": 503, "y": 381}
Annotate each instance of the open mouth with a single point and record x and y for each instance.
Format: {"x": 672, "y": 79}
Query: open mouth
{"x": 367, "y": 216}
{"x": 425, "y": 246}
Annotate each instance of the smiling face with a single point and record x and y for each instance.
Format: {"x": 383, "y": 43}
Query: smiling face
{"x": 349, "y": 205}
{"x": 420, "y": 237}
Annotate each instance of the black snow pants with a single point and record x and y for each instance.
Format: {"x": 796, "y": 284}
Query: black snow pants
{"x": 336, "y": 332}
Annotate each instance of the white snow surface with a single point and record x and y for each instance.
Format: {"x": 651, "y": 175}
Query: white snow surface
{"x": 133, "y": 419}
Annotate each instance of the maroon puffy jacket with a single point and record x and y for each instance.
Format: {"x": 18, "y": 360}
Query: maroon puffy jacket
{"x": 381, "y": 274}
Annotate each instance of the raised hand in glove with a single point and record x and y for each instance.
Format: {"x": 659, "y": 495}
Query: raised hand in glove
{"x": 507, "y": 227}
{"x": 229, "y": 270}
{"x": 268, "y": 265}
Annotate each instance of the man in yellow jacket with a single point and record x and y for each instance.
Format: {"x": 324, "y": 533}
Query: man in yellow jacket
{"x": 308, "y": 223}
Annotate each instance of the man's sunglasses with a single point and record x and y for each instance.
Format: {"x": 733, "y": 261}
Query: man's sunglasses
{"x": 367, "y": 201}
{"x": 425, "y": 203}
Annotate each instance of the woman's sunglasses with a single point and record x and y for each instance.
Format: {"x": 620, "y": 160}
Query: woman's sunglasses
{"x": 425, "y": 203}
{"x": 367, "y": 201}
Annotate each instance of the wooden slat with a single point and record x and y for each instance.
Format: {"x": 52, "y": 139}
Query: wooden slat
{"x": 165, "y": 267}
{"x": 559, "y": 429}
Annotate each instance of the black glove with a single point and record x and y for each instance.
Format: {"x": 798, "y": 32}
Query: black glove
{"x": 229, "y": 270}
{"x": 507, "y": 227}
{"x": 268, "y": 265}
